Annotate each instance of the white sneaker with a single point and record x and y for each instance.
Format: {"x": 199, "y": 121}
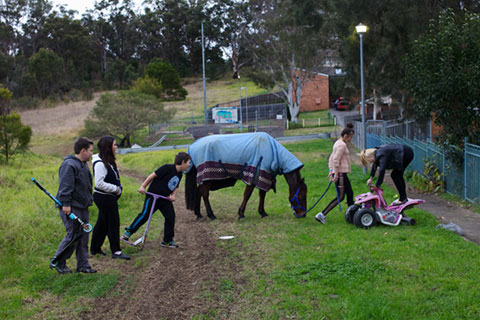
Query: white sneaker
{"x": 320, "y": 217}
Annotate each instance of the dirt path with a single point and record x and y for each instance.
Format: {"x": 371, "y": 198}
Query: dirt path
{"x": 445, "y": 211}
{"x": 165, "y": 283}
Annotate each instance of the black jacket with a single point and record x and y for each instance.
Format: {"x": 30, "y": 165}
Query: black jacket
{"x": 75, "y": 183}
{"x": 387, "y": 156}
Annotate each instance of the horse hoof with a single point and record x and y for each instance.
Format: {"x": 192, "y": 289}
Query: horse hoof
{"x": 264, "y": 215}
{"x": 199, "y": 218}
{"x": 212, "y": 217}
{"x": 241, "y": 217}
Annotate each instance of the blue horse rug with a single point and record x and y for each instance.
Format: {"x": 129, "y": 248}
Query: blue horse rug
{"x": 254, "y": 158}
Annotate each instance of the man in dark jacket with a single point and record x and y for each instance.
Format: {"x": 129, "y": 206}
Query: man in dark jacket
{"x": 389, "y": 156}
{"x": 75, "y": 194}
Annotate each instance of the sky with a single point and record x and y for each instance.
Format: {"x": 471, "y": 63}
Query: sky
{"x": 81, "y": 5}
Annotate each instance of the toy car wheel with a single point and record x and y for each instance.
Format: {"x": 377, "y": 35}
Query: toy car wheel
{"x": 350, "y": 212}
{"x": 364, "y": 218}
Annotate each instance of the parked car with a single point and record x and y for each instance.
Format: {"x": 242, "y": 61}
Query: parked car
{"x": 342, "y": 104}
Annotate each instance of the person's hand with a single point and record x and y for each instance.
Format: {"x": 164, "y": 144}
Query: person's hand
{"x": 67, "y": 210}
{"x": 141, "y": 190}
{"x": 369, "y": 181}
{"x": 119, "y": 191}
{"x": 171, "y": 197}
{"x": 330, "y": 175}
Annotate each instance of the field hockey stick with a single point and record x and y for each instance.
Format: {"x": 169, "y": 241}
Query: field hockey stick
{"x": 141, "y": 241}
{"x": 87, "y": 227}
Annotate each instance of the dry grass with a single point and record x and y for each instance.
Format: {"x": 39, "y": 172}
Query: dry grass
{"x": 218, "y": 91}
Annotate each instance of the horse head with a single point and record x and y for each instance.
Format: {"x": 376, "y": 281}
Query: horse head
{"x": 298, "y": 194}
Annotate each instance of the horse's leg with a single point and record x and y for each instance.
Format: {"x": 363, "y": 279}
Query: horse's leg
{"x": 246, "y": 195}
{"x": 261, "y": 203}
{"x": 197, "y": 204}
{"x": 205, "y": 191}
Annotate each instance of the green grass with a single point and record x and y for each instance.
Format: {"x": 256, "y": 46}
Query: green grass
{"x": 298, "y": 268}
{"x": 32, "y": 230}
{"x": 284, "y": 267}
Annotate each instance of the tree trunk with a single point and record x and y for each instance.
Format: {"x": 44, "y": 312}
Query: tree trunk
{"x": 376, "y": 100}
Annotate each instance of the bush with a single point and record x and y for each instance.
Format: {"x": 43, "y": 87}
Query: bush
{"x": 14, "y": 136}
{"x": 148, "y": 85}
{"x": 26, "y": 103}
{"x": 168, "y": 77}
{"x": 431, "y": 181}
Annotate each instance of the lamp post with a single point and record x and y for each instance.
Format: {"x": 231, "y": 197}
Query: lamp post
{"x": 204, "y": 82}
{"x": 246, "y": 105}
{"x": 361, "y": 29}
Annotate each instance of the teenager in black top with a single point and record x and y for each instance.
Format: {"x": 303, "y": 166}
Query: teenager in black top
{"x": 164, "y": 181}
{"x": 108, "y": 189}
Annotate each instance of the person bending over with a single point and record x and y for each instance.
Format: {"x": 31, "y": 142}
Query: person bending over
{"x": 395, "y": 157}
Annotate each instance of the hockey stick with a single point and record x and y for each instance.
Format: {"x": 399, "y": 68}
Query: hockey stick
{"x": 141, "y": 241}
{"x": 87, "y": 227}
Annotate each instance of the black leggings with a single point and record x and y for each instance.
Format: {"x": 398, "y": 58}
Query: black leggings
{"x": 165, "y": 207}
{"x": 344, "y": 187}
{"x": 108, "y": 223}
{"x": 397, "y": 175}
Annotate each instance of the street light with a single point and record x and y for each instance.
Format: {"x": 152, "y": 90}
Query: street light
{"x": 246, "y": 103}
{"x": 361, "y": 29}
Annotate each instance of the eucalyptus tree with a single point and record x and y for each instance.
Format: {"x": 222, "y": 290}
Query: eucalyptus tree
{"x": 442, "y": 72}
{"x": 393, "y": 26}
{"x": 288, "y": 46}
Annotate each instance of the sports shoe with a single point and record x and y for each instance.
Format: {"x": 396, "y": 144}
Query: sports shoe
{"x": 126, "y": 235}
{"x": 171, "y": 244}
{"x": 121, "y": 255}
{"x": 86, "y": 270}
{"x": 60, "y": 269}
{"x": 100, "y": 252}
{"x": 399, "y": 202}
{"x": 320, "y": 217}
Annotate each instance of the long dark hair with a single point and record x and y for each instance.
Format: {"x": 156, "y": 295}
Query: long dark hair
{"x": 105, "y": 149}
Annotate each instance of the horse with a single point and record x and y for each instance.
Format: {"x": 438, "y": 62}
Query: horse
{"x": 219, "y": 161}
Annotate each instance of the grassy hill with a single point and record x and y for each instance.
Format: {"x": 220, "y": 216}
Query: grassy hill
{"x": 283, "y": 267}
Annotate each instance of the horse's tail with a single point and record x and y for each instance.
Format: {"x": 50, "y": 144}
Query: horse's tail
{"x": 191, "y": 188}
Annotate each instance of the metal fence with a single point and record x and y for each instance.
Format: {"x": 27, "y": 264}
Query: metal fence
{"x": 462, "y": 181}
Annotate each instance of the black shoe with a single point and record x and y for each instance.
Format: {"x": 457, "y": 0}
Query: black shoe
{"x": 121, "y": 255}
{"x": 86, "y": 270}
{"x": 61, "y": 270}
{"x": 171, "y": 244}
{"x": 66, "y": 270}
{"x": 94, "y": 252}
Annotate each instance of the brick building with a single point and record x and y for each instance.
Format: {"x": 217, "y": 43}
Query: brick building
{"x": 315, "y": 94}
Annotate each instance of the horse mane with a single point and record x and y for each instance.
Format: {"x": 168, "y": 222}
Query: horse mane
{"x": 294, "y": 179}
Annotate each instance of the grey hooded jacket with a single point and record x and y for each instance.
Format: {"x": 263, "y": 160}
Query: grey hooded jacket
{"x": 75, "y": 183}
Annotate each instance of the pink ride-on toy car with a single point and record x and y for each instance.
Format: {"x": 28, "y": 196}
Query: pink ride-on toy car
{"x": 370, "y": 208}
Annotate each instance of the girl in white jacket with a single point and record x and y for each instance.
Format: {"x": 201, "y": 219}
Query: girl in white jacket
{"x": 108, "y": 189}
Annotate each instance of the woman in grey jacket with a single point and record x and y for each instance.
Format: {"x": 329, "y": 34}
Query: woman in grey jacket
{"x": 108, "y": 189}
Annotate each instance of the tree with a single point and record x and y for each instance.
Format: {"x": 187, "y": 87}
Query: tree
{"x": 123, "y": 113}
{"x": 14, "y": 136}
{"x": 393, "y": 26}
{"x": 5, "y": 98}
{"x": 47, "y": 68}
{"x": 236, "y": 21}
{"x": 442, "y": 72}
{"x": 287, "y": 42}
{"x": 169, "y": 78}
